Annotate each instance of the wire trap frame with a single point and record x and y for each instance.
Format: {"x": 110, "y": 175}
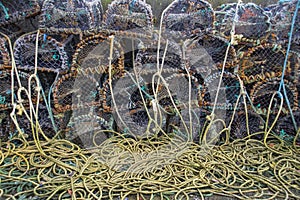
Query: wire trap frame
{"x": 189, "y": 17}
{"x": 51, "y": 56}
{"x": 129, "y": 15}
{"x": 70, "y": 16}
{"x": 12, "y": 11}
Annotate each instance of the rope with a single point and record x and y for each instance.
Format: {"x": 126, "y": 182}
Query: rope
{"x": 282, "y": 85}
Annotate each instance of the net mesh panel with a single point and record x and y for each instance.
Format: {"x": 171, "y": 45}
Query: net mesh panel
{"x": 262, "y": 92}
{"x": 252, "y": 21}
{"x": 44, "y": 122}
{"x": 129, "y": 15}
{"x": 73, "y": 91}
{"x": 282, "y": 16}
{"x": 92, "y": 57}
{"x": 230, "y": 91}
{"x": 238, "y": 128}
{"x": 5, "y": 60}
{"x": 71, "y": 17}
{"x": 210, "y": 50}
{"x": 188, "y": 17}
{"x": 51, "y": 54}
{"x": 13, "y": 31}
{"x": 266, "y": 61}
{"x": 285, "y": 127}
{"x": 16, "y": 10}
{"x": 84, "y": 124}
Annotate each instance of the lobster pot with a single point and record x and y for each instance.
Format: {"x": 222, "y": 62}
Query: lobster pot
{"x": 92, "y": 57}
{"x": 74, "y": 91}
{"x": 129, "y": 15}
{"x": 51, "y": 56}
{"x": 17, "y": 10}
{"x": 252, "y": 21}
{"x": 282, "y": 19}
{"x": 187, "y": 18}
{"x": 70, "y": 17}
{"x": 267, "y": 61}
{"x": 147, "y": 56}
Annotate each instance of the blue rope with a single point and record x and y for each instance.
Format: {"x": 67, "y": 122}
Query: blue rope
{"x": 49, "y": 106}
{"x": 4, "y": 10}
{"x": 282, "y": 85}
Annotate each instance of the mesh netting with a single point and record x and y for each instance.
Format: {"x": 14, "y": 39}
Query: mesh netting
{"x": 188, "y": 17}
{"x": 244, "y": 124}
{"x": 285, "y": 127}
{"x": 17, "y": 10}
{"x": 92, "y": 56}
{"x": 282, "y": 17}
{"x": 74, "y": 91}
{"x": 126, "y": 112}
{"x": 50, "y": 54}
{"x": 13, "y": 31}
{"x": 208, "y": 51}
{"x": 83, "y": 125}
{"x": 135, "y": 15}
{"x": 75, "y": 16}
{"x": 266, "y": 61}
{"x": 262, "y": 93}
{"x": 230, "y": 91}
{"x": 252, "y": 21}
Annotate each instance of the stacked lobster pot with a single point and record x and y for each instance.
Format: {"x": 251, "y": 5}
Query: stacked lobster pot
{"x": 94, "y": 73}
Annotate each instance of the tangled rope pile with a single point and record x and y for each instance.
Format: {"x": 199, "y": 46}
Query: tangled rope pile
{"x": 111, "y": 109}
{"x": 123, "y": 167}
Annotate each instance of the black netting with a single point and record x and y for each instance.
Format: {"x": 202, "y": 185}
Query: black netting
{"x": 208, "y": 52}
{"x": 286, "y": 129}
{"x": 84, "y": 126}
{"x": 267, "y": 61}
{"x": 243, "y": 123}
{"x": 75, "y": 16}
{"x": 51, "y": 55}
{"x": 188, "y": 17}
{"x": 282, "y": 18}
{"x": 252, "y": 21}
{"x": 229, "y": 92}
{"x": 17, "y": 10}
{"x": 130, "y": 15}
{"x": 262, "y": 93}
{"x": 5, "y": 124}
